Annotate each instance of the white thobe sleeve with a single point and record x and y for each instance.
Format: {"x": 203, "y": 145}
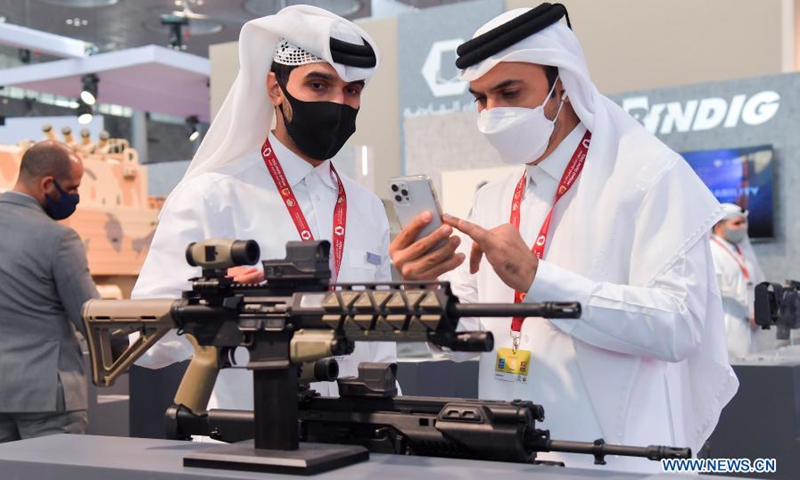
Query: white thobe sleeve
{"x": 191, "y": 216}
{"x": 727, "y": 275}
{"x": 663, "y": 320}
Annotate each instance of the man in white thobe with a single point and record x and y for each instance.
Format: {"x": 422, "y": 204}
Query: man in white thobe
{"x": 627, "y": 238}
{"x": 307, "y": 67}
{"x": 737, "y": 275}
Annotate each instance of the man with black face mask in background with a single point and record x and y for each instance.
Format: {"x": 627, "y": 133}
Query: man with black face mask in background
{"x": 44, "y": 281}
{"x": 306, "y": 67}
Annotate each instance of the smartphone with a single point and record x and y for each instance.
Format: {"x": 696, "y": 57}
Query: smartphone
{"x": 413, "y": 195}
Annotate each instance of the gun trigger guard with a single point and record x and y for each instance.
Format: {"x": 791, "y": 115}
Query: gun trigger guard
{"x": 227, "y": 359}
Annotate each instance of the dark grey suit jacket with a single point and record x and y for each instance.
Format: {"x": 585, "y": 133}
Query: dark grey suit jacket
{"x": 44, "y": 281}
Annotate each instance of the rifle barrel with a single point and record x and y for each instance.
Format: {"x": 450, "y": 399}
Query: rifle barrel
{"x": 546, "y": 310}
{"x": 601, "y": 449}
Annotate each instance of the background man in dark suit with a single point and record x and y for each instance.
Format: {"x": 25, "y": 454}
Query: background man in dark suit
{"x": 44, "y": 281}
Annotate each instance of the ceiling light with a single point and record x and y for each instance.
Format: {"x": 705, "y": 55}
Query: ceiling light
{"x": 84, "y": 113}
{"x": 262, "y": 8}
{"x": 88, "y": 98}
{"x": 192, "y": 126}
{"x": 89, "y": 90}
{"x": 175, "y": 24}
{"x": 196, "y": 24}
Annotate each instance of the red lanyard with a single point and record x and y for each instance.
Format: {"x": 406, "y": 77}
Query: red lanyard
{"x": 300, "y": 222}
{"x": 739, "y": 259}
{"x": 567, "y": 180}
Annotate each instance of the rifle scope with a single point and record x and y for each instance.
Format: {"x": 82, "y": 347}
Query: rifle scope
{"x": 221, "y": 254}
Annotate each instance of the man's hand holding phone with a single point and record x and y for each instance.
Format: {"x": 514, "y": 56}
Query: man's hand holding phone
{"x": 415, "y": 260}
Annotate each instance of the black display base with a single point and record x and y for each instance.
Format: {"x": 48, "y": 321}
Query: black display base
{"x": 310, "y": 459}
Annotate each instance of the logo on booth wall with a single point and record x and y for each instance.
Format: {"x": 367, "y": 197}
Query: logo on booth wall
{"x": 443, "y": 85}
{"x": 703, "y": 114}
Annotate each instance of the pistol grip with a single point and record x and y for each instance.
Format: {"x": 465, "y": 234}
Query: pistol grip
{"x": 198, "y": 381}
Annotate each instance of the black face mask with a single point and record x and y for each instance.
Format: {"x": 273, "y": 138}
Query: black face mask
{"x": 64, "y": 206}
{"x": 319, "y": 129}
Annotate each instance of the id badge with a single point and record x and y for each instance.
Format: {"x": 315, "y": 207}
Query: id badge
{"x": 511, "y": 366}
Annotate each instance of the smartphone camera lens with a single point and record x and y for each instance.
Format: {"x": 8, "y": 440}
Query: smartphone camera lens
{"x": 395, "y": 188}
{"x": 404, "y": 192}
{"x": 398, "y": 198}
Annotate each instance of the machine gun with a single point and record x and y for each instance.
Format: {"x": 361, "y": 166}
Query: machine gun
{"x": 291, "y": 325}
{"x": 778, "y": 305}
{"x": 369, "y": 414}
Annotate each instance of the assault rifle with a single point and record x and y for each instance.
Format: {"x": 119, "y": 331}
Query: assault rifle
{"x": 291, "y": 326}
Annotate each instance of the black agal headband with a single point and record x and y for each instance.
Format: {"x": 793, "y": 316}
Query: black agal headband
{"x": 360, "y": 56}
{"x": 503, "y": 36}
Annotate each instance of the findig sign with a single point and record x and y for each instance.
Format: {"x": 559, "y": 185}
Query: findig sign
{"x": 704, "y": 114}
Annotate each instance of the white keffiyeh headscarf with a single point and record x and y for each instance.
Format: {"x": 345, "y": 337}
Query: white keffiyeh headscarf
{"x": 294, "y": 36}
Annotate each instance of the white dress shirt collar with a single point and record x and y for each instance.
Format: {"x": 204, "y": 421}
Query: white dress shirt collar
{"x": 552, "y": 167}
{"x": 296, "y": 169}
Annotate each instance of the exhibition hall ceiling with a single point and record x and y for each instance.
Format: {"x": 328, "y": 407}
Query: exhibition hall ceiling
{"x": 119, "y": 24}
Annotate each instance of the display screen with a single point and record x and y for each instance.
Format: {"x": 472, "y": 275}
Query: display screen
{"x": 742, "y": 176}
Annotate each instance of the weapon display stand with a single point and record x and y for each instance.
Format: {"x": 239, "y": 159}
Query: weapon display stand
{"x": 309, "y": 459}
{"x": 276, "y": 447}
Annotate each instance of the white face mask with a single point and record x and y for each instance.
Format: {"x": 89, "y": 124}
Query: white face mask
{"x": 735, "y": 235}
{"x": 519, "y": 134}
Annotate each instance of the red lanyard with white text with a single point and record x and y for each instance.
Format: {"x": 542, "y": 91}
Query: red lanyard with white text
{"x": 739, "y": 260}
{"x": 300, "y": 222}
{"x": 567, "y": 180}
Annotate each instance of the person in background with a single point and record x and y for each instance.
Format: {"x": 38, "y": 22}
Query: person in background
{"x": 737, "y": 274}
{"x": 44, "y": 281}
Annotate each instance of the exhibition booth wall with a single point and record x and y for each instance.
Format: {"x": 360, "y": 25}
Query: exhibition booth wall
{"x": 629, "y": 45}
{"x": 705, "y": 81}
{"x": 739, "y": 136}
